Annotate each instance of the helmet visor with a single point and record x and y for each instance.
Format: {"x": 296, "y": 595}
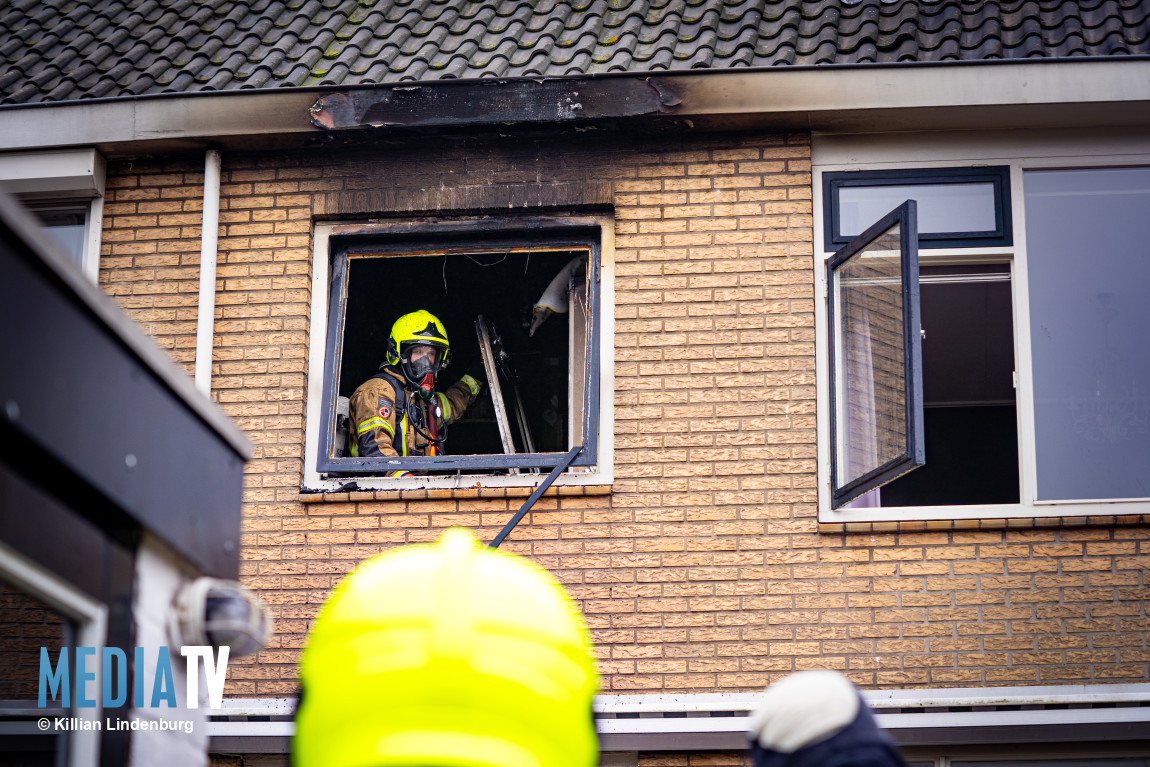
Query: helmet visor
{"x": 420, "y": 359}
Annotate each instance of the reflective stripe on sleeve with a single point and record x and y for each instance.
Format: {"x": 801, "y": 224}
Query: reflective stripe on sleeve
{"x": 375, "y": 423}
{"x": 445, "y": 404}
{"x": 472, "y": 384}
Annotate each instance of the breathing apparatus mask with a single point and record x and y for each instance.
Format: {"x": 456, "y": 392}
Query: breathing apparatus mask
{"x": 420, "y": 364}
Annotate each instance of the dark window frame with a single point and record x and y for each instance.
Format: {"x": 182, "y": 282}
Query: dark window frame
{"x": 905, "y": 216}
{"x": 398, "y": 239}
{"x": 998, "y": 176}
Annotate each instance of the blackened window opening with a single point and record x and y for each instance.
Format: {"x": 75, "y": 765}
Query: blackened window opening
{"x": 457, "y": 276}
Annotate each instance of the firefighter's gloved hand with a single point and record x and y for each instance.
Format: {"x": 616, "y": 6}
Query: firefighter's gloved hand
{"x": 817, "y": 718}
{"x": 477, "y": 371}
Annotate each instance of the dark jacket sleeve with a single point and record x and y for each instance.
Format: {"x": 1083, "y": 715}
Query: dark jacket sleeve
{"x": 372, "y": 411}
{"x": 458, "y": 397}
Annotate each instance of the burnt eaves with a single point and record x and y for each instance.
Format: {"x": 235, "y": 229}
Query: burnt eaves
{"x": 568, "y": 100}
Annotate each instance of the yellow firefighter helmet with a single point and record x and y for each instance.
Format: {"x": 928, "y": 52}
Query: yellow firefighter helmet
{"x": 447, "y": 654}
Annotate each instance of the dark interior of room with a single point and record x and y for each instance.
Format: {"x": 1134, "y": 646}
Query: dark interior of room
{"x": 968, "y": 392}
{"x": 457, "y": 288}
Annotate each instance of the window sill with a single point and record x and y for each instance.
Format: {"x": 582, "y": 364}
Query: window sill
{"x": 944, "y": 525}
{"x": 459, "y": 493}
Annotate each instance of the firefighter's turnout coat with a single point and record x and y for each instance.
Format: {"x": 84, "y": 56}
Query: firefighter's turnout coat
{"x": 385, "y": 416}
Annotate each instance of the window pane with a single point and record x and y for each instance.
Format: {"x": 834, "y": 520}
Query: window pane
{"x": 870, "y": 364}
{"x": 942, "y": 208}
{"x": 1089, "y": 265}
{"x": 66, "y": 225}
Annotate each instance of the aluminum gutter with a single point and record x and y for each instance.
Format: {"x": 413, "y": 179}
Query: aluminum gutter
{"x": 714, "y": 721}
{"x": 874, "y": 97}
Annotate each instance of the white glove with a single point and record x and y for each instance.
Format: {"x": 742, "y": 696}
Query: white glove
{"x": 803, "y": 709}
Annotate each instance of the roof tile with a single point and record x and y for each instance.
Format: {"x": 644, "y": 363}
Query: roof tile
{"x": 72, "y": 49}
{"x": 538, "y": 64}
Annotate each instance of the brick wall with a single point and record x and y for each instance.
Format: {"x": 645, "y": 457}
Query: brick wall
{"x": 26, "y": 625}
{"x": 151, "y": 244}
{"x": 703, "y": 568}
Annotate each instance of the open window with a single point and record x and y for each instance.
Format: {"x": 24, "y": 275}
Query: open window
{"x": 1035, "y": 394}
{"x": 923, "y": 398}
{"x": 970, "y": 418}
{"x": 546, "y": 398}
{"x": 930, "y": 376}
{"x": 875, "y": 357}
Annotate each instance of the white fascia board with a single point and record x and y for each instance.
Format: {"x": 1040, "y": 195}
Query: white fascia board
{"x": 1026, "y": 695}
{"x": 196, "y": 117}
{"x": 836, "y": 97}
{"x": 1030, "y": 695}
{"x": 980, "y": 728}
{"x": 867, "y": 97}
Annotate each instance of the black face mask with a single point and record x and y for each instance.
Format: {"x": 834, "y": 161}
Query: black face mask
{"x": 421, "y": 371}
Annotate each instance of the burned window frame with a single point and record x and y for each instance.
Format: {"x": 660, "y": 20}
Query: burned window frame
{"x": 448, "y": 237}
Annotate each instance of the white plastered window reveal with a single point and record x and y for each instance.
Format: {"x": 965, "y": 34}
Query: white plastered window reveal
{"x": 601, "y": 474}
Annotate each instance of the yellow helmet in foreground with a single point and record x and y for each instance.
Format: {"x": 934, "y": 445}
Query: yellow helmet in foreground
{"x": 447, "y": 654}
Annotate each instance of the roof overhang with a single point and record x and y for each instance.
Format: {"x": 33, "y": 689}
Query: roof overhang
{"x": 1064, "y": 93}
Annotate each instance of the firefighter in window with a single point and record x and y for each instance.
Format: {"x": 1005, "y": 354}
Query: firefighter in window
{"x": 398, "y": 412}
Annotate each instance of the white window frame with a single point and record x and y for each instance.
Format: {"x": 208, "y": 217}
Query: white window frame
{"x": 600, "y": 474}
{"x": 61, "y": 178}
{"x": 91, "y": 620}
{"x": 1021, "y": 151}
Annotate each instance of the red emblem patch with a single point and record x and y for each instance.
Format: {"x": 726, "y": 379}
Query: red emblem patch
{"x": 384, "y": 406}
